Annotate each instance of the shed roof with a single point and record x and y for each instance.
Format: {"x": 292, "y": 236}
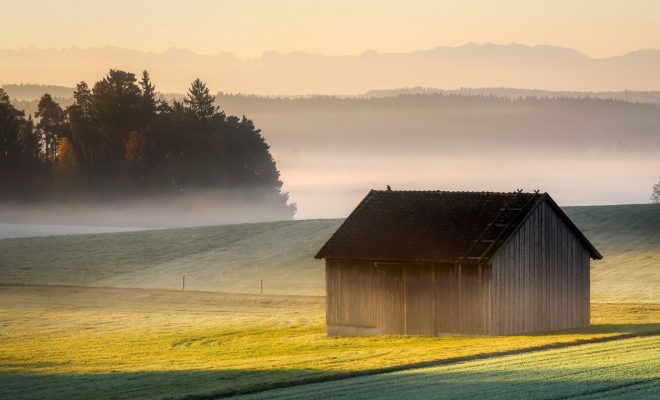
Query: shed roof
{"x": 435, "y": 226}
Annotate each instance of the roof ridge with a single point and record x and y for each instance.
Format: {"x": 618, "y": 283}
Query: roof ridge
{"x": 451, "y": 191}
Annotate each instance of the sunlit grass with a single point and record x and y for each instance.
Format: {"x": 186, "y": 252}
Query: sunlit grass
{"x": 216, "y": 342}
{"x": 618, "y": 369}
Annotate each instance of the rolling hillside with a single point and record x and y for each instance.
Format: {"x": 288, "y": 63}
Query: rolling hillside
{"x": 628, "y": 236}
{"x": 235, "y": 258}
{"x": 616, "y": 370}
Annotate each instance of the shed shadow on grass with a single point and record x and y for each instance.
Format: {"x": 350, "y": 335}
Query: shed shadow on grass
{"x": 145, "y": 385}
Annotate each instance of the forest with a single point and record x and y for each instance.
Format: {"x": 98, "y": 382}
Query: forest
{"x": 117, "y": 139}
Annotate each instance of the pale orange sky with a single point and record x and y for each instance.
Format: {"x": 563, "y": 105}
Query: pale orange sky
{"x": 249, "y": 27}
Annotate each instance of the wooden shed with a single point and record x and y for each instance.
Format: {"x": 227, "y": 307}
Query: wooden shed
{"x": 437, "y": 262}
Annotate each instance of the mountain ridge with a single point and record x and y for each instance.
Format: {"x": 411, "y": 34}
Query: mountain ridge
{"x": 299, "y": 72}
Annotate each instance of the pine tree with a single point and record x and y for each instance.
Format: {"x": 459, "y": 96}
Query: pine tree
{"x": 29, "y": 142}
{"x": 117, "y": 110}
{"x": 51, "y": 126}
{"x": 85, "y": 136}
{"x": 200, "y": 101}
{"x": 655, "y": 196}
{"x": 10, "y": 122}
{"x": 149, "y": 103}
{"x": 83, "y": 100}
{"x": 20, "y": 163}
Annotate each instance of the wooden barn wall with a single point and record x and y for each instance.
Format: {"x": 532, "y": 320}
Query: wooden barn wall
{"x": 540, "y": 278}
{"x": 350, "y": 293}
{"x": 414, "y": 299}
{"x": 463, "y": 299}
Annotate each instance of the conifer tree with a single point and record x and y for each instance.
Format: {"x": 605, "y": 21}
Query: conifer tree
{"x": 149, "y": 103}
{"x": 51, "y": 126}
{"x": 200, "y": 101}
{"x": 10, "y": 125}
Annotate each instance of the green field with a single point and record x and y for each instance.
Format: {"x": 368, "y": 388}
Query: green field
{"x": 230, "y": 258}
{"x": 628, "y": 236}
{"x": 114, "y": 328}
{"x": 236, "y": 258}
{"x": 624, "y": 369}
{"x": 78, "y": 343}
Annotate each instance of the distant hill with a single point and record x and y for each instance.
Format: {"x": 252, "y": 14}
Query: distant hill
{"x": 274, "y": 73}
{"x": 25, "y": 92}
{"x": 235, "y": 258}
{"x": 635, "y": 96}
{"x": 455, "y": 142}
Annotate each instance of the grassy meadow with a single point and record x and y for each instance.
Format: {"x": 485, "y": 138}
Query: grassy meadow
{"x": 229, "y": 258}
{"x": 628, "y": 236}
{"x": 236, "y": 258}
{"x": 625, "y": 369}
{"x": 77, "y": 343}
{"x": 103, "y": 316}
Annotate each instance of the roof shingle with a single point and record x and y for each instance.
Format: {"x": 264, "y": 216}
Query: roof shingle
{"x": 431, "y": 226}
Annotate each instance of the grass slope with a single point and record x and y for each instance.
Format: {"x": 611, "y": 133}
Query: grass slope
{"x": 81, "y": 343}
{"x": 628, "y": 236}
{"x": 235, "y": 258}
{"x": 229, "y": 258}
{"x": 625, "y": 369}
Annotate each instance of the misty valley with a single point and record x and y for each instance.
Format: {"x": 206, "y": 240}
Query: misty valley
{"x": 365, "y": 200}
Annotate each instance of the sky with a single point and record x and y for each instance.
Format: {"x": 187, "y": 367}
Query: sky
{"x": 247, "y": 28}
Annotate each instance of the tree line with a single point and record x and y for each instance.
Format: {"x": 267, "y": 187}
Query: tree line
{"x": 119, "y": 139}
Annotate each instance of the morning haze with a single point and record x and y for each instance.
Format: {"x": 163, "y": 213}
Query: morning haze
{"x": 186, "y": 203}
{"x": 582, "y": 150}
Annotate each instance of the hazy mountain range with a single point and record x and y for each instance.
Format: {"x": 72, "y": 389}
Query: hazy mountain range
{"x": 470, "y": 65}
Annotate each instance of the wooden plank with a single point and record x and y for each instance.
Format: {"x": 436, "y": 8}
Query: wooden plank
{"x": 390, "y": 299}
{"x": 488, "y": 300}
{"x": 420, "y": 299}
{"x": 525, "y": 270}
{"x": 544, "y": 269}
{"x": 443, "y": 299}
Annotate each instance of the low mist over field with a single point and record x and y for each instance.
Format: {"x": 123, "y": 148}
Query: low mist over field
{"x": 583, "y": 151}
{"x": 330, "y": 151}
{"x": 202, "y": 208}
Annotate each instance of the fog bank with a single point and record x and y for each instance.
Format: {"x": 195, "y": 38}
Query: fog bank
{"x": 213, "y": 207}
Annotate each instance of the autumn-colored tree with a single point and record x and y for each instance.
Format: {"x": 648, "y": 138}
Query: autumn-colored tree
{"x": 66, "y": 171}
{"x": 135, "y": 147}
{"x": 134, "y": 155}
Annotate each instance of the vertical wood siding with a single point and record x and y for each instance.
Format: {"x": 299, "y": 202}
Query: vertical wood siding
{"x": 409, "y": 299}
{"x": 538, "y": 281}
{"x": 350, "y": 294}
{"x": 540, "y": 278}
